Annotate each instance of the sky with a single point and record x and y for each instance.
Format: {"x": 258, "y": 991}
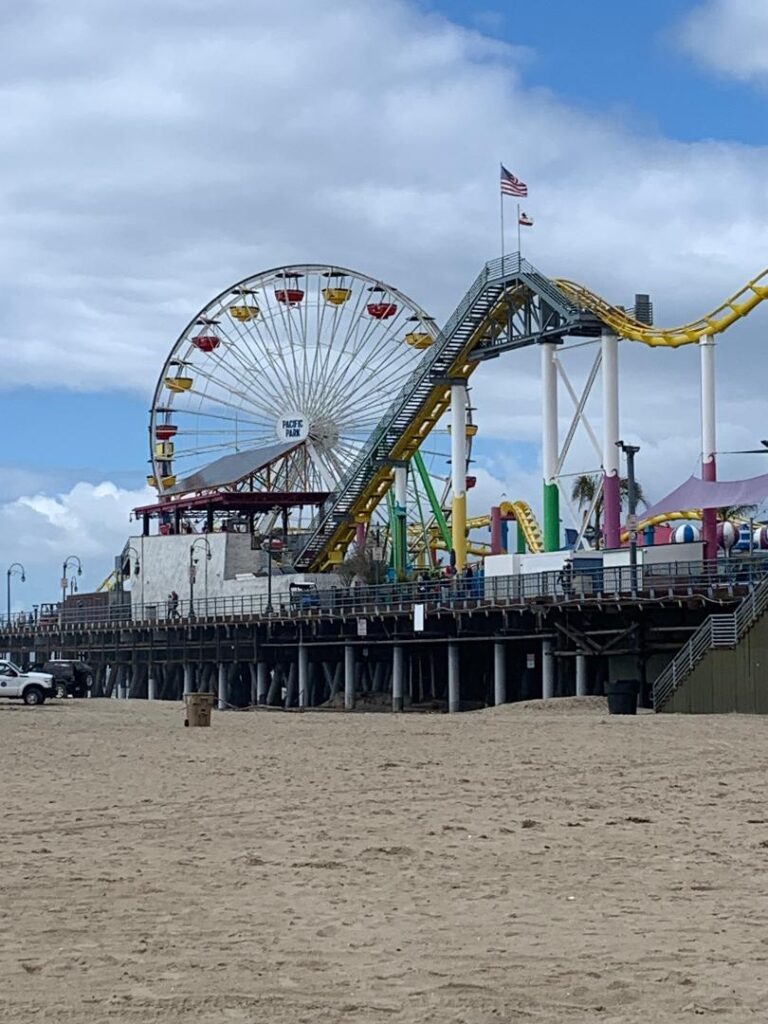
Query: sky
{"x": 155, "y": 152}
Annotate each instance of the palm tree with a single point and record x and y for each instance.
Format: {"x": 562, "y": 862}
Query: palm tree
{"x": 738, "y": 512}
{"x": 586, "y": 486}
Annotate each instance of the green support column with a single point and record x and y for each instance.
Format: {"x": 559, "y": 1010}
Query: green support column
{"x": 551, "y": 517}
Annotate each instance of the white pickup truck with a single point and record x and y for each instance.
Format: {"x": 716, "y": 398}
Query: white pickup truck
{"x": 31, "y": 687}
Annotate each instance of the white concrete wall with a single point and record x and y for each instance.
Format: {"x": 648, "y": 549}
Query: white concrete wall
{"x": 501, "y": 565}
{"x": 548, "y": 561}
{"x": 164, "y": 566}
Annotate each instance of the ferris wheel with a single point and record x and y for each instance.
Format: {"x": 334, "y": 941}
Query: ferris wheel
{"x": 301, "y": 361}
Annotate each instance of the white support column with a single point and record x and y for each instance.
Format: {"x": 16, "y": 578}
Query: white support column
{"x": 549, "y": 446}
{"x": 303, "y": 675}
{"x": 401, "y": 486}
{"x": 151, "y": 686}
{"x": 581, "y": 675}
{"x": 611, "y": 495}
{"x": 454, "y": 680}
{"x": 459, "y": 473}
{"x": 189, "y": 677}
{"x": 222, "y": 702}
{"x": 398, "y": 663}
{"x": 261, "y": 683}
{"x": 349, "y": 677}
{"x": 499, "y": 672}
{"x": 547, "y": 670}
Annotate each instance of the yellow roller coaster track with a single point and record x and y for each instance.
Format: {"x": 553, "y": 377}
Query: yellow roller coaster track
{"x": 523, "y": 515}
{"x": 719, "y": 320}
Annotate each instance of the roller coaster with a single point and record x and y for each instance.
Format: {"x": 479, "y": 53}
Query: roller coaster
{"x": 510, "y": 305}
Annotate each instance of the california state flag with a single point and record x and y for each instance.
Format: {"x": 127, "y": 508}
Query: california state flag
{"x": 525, "y": 220}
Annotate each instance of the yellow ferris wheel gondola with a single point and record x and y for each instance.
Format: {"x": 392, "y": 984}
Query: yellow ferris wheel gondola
{"x": 336, "y": 293}
{"x": 178, "y": 384}
{"x": 244, "y": 313}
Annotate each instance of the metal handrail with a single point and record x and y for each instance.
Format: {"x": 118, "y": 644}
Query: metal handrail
{"x": 670, "y": 580}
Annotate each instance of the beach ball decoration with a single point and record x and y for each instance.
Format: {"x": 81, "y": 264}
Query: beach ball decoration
{"x": 686, "y": 534}
{"x": 760, "y": 538}
{"x": 727, "y": 535}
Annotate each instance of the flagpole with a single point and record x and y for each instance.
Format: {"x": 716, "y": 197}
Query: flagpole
{"x": 501, "y": 209}
{"x": 519, "y": 246}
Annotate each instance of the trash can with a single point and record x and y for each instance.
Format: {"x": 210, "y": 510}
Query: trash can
{"x": 199, "y": 707}
{"x": 622, "y": 696}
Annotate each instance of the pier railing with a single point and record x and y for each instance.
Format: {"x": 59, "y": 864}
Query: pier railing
{"x": 721, "y": 581}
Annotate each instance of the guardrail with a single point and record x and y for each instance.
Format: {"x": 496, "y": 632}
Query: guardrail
{"x": 676, "y": 581}
{"x": 716, "y": 631}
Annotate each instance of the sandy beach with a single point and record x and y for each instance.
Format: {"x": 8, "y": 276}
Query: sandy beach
{"x": 526, "y": 864}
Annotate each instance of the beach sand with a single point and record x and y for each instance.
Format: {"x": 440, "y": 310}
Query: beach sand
{"x": 544, "y": 864}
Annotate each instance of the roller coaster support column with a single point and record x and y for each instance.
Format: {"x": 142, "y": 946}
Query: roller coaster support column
{"x": 549, "y": 446}
{"x": 611, "y": 492}
{"x": 459, "y": 473}
{"x": 360, "y": 532}
{"x": 708, "y": 439}
{"x": 401, "y": 515}
{"x": 496, "y": 546}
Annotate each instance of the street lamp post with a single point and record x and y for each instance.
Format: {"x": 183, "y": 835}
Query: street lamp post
{"x": 631, "y": 450}
{"x": 136, "y": 569}
{"x": 14, "y": 569}
{"x": 64, "y": 582}
{"x": 275, "y": 512}
{"x": 192, "y": 563}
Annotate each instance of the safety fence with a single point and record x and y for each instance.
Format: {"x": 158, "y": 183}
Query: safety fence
{"x": 724, "y": 580}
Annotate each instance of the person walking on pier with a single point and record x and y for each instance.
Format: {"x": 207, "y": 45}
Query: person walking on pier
{"x": 173, "y": 605}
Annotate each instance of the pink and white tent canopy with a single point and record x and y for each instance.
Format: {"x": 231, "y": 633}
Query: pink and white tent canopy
{"x": 696, "y": 493}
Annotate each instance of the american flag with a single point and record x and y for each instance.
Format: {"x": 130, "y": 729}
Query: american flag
{"x": 510, "y": 185}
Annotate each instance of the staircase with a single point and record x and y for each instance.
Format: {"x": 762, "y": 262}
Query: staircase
{"x": 420, "y": 404}
{"x": 717, "y": 631}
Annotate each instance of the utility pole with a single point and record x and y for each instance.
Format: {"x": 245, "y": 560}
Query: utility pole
{"x": 631, "y": 450}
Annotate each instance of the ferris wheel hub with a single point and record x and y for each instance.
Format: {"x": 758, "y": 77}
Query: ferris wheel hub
{"x": 292, "y": 426}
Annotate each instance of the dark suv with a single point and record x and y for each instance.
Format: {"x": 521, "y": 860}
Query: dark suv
{"x": 72, "y": 678}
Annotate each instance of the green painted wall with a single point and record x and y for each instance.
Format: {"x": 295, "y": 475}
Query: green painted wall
{"x": 727, "y": 681}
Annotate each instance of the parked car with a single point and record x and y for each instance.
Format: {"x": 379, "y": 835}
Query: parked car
{"x": 71, "y": 677}
{"x": 32, "y": 687}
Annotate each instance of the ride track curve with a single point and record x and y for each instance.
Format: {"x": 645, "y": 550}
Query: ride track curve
{"x": 727, "y": 313}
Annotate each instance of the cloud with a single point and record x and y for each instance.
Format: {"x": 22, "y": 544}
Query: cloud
{"x": 156, "y": 152}
{"x": 40, "y": 530}
{"x": 730, "y": 37}
{"x": 150, "y": 159}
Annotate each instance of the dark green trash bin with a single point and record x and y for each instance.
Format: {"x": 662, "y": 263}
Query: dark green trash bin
{"x": 622, "y": 696}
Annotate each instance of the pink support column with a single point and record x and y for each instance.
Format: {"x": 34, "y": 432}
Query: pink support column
{"x": 708, "y": 440}
{"x": 360, "y": 536}
{"x": 497, "y": 547}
